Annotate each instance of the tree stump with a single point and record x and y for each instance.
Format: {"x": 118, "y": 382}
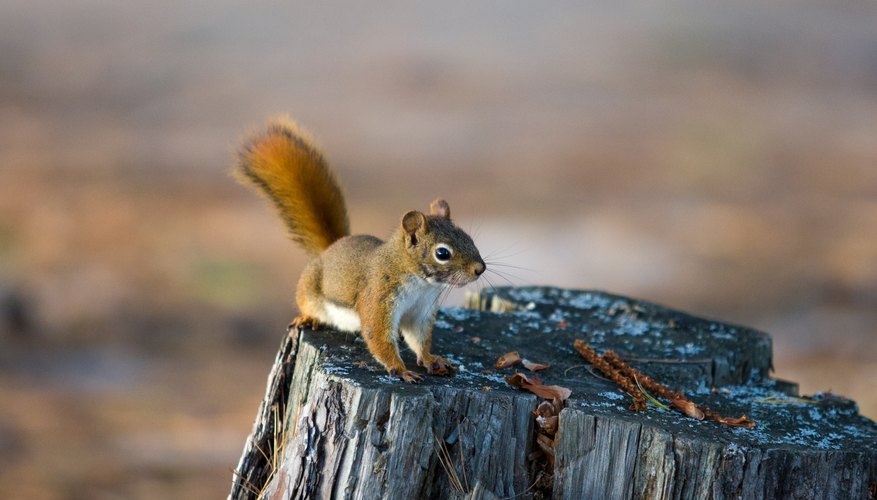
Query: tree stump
{"x": 334, "y": 425}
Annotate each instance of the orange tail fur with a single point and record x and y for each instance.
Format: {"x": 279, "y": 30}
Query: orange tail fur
{"x": 283, "y": 163}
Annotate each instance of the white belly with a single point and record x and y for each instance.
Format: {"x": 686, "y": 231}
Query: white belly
{"x": 342, "y": 318}
{"x": 417, "y": 303}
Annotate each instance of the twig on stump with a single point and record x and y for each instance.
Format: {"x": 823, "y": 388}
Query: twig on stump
{"x": 633, "y": 382}
{"x": 591, "y": 356}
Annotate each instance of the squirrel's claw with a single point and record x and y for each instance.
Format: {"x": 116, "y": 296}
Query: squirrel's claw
{"x": 438, "y": 366}
{"x": 408, "y": 377}
{"x": 302, "y": 322}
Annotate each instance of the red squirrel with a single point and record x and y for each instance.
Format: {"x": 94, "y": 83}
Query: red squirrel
{"x": 359, "y": 282}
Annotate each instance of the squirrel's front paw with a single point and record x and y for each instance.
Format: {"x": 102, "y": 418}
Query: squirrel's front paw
{"x": 437, "y": 366}
{"x": 407, "y": 376}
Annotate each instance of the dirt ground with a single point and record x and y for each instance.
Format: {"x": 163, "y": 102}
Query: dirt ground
{"x": 720, "y": 159}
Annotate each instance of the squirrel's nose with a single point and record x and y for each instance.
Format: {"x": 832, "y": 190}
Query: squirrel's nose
{"x": 478, "y": 268}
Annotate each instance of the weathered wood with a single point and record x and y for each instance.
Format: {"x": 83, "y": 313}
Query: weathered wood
{"x": 354, "y": 432}
{"x": 350, "y": 431}
{"x": 703, "y": 351}
{"x": 256, "y": 466}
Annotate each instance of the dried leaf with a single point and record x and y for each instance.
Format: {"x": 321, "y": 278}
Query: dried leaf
{"x": 534, "y": 367}
{"x": 546, "y": 444}
{"x": 688, "y": 408}
{"x": 517, "y": 380}
{"x": 742, "y": 421}
{"x": 534, "y": 385}
{"x": 508, "y": 359}
{"x": 562, "y": 324}
{"x": 783, "y": 400}
{"x": 545, "y": 409}
{"x": 547, "y": 424}
{"x": 521, "y": 381}
{"x": 550, "y": 391}
{"x": 540, "y": 422}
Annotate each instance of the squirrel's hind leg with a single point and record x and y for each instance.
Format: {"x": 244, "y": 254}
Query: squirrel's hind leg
{"x": 301, "y": 322}
{"x": 309, "y": 297}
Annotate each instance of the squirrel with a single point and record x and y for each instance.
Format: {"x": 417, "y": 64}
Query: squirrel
{"x": 359, "y": 282}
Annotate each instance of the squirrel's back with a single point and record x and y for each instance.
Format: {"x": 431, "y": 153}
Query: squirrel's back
{"x": 283, "y": 163}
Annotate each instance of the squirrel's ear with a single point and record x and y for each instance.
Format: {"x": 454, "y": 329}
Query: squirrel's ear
{"x": 441, "y": 208}
{"x": 413, "y": 223}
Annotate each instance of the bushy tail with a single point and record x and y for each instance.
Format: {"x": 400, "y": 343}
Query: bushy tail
{"x": 283, "y": 163}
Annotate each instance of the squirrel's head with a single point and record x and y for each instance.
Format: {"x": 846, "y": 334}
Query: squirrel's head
{"x": 442, "y": 252}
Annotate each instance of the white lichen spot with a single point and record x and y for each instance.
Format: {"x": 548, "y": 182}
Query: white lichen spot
{"x": 632, "y": 327}
{"x": 557, "y": 316}
{"x": 440, "y": 323}
{"x": 612, "y": 395}
{"x": 689, "y": 349}
{"x": 527, "y": 295}
{"x": 460, "y": 314}
{"x": 590, "y": 301}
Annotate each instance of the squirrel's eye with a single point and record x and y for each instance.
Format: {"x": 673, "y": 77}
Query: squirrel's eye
{"x": 442, "y": 254}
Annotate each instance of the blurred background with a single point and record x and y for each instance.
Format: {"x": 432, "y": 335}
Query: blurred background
{"x": 720, "y": 158}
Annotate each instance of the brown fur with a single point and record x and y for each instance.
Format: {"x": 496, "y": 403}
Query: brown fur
{"x": 386, "y": 289}
{"x": 285, "y": 166}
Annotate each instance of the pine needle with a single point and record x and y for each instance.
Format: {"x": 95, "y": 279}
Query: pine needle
{"x": 649, "y": 398}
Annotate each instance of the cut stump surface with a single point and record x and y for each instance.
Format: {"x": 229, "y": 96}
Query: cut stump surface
{"x": 334, "y": 425}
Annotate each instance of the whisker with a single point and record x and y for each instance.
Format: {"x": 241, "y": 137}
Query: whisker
{"x": 437, "y": 302}
{"x": 453, "y": 279}
{"x": 495, "y": 253}
{"x": 505, "y": 274}
{"x": 504, "y": 278}
{"x": 443, "y": 296}
{"x": 476, "y": 230}
{"x": 492, "y": 255}
{"x": 488, "y": 281}
{"x": 500, "y": 254}
{"x": 501, "y": 264}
